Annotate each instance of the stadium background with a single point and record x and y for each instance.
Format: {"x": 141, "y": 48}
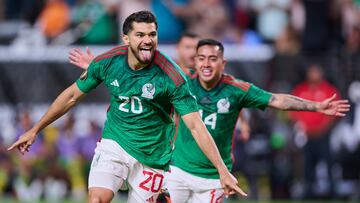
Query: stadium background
{"x": 270, "y": 43}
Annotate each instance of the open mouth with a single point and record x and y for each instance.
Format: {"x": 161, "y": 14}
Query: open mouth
{"x": 206, "y": 72}
{"x": 146, "y": 53}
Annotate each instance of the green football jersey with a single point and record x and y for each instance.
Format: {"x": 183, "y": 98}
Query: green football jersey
{"x": 139, "y": 118}
{"x": 219, "y": 109}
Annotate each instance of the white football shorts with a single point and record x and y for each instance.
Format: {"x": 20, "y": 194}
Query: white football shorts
{"x": 112, "y": 168}
{"x": 185, "y": 187}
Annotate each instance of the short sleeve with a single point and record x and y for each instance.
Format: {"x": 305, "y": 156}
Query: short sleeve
{"x": 90, "y": 79}
{"x": 256, "y": 98}
{"x": 182, "y": 99}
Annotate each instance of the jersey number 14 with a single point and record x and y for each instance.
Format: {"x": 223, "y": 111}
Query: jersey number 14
{"x": 209, "y": 120}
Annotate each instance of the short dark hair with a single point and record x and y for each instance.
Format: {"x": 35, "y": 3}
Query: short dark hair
{"x": 139, "y": 17}
{"x": 187, "y": 34}
{"x": 210, "y": 42}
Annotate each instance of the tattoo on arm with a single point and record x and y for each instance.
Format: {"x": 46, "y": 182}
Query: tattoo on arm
{"x": 289, "y": 102}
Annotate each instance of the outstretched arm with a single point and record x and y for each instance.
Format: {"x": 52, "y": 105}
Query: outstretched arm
{"x": 62, "y": 104}
{"x": 208, "y": 146}
{"x": 329, "y": 106}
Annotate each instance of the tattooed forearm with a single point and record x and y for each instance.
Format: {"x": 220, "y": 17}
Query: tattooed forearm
{"x": 297, "y": 103}
{"x": 289, "y": 102}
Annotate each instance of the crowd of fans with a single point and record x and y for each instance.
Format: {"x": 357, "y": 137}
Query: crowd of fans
{"x": 230, "y": 21}
{"x": 288, "y": 156}
{"x": 57, "y": 165}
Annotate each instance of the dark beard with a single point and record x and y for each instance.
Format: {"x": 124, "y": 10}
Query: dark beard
{"x": 136, "y": 54}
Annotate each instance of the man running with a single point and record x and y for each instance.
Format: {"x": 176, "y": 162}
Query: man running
{"x": 137, "y": 138}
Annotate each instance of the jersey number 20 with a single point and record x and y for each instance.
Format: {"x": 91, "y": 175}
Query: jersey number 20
{"x": 135, "y": 104}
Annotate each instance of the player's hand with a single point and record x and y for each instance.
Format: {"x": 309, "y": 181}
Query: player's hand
{"x": 80, "y": 59}
{"x": 333, "y": 107}
{"x": 24, "y": 142}
{"x": 229, "y": 184}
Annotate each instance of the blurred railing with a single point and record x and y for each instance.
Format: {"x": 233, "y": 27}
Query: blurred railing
{"x": 31, "y": 53}
{"x": 38, "y": 74}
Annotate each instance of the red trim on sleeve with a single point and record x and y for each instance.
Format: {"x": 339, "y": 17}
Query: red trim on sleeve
{"x": 119, "y": 50}
{"x": 168, "y": 68}
{"x": 232, "y": 81}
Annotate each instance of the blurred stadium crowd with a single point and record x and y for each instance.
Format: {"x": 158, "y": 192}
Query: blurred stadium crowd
{"x": 230, "y": 21}
{"x": 316, "y": 50}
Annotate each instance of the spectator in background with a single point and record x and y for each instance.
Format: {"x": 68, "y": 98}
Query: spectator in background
{"x": 353, "y": 40}
{"x": 96, "y": 22}
{"x": 350, "y": 11}
{"x": 287, "y": 42}
{"x": 285, "y": 71}
{"x": 236, "y": 29}
{"x": 87, "y": 145}
{"x": 28, "y": 185}
{"x": 207, "y": 23}
{"x": 68, "y": 146}
{"x": 297, "y": 15}
{"x": 286, "y": 67}
{"x": 54, "y": 18}
{"x": 170, "y": 24}
{"x": 56, "y": 180}
{"x": 234, "y": 34}
{"x": 317, "y": 128}
{"x": 272, "y": 17}
{"x": 346, "y": 143}
{"x": 88, "y": 142}
{"x": 350, "y": 57}
{"x": 317, "y": 33}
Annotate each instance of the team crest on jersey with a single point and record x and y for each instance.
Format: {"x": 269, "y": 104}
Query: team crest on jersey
{"x": 148, "y": 91}
{"x": 223, "y": 105}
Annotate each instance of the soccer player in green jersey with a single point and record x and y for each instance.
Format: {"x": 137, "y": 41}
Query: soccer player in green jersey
{"x": 221, "y": 97}
{"x": 193, "y": 178}
{"x": 137, "y": 140}
{"x": 186, "y": 52}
